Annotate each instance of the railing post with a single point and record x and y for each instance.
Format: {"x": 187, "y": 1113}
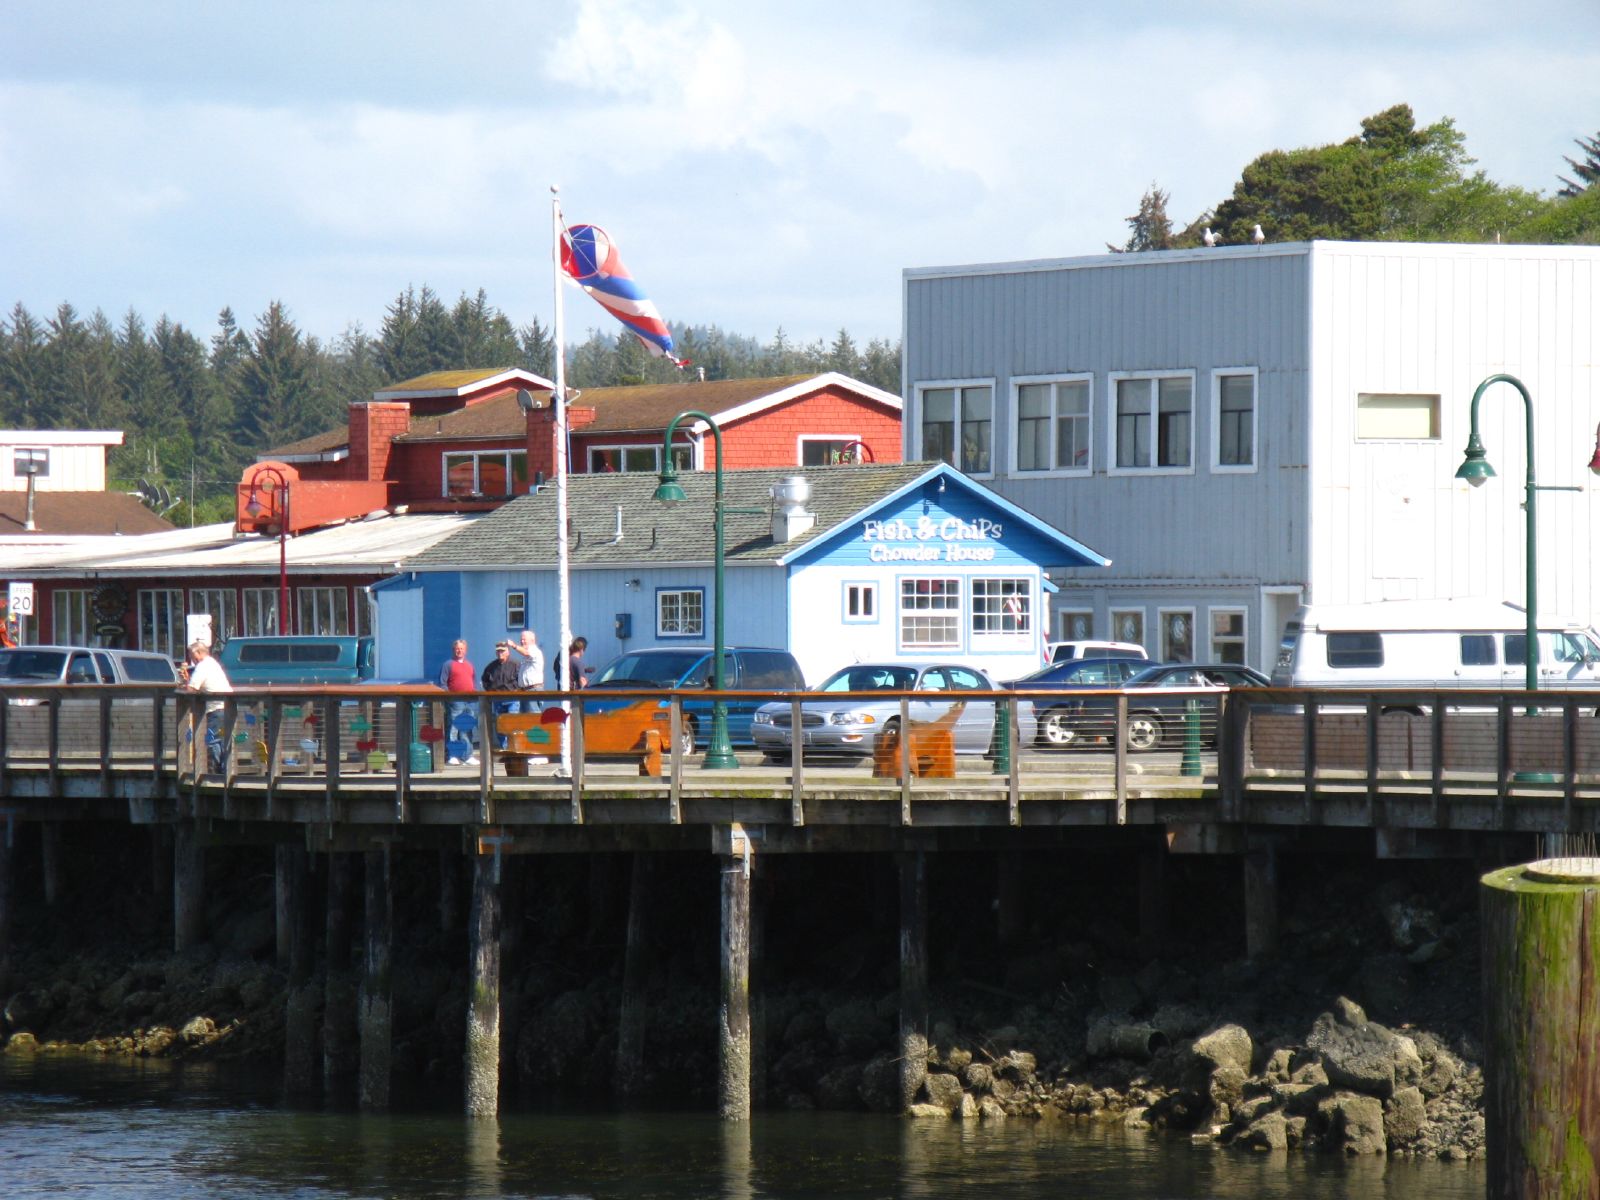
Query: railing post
{"x": 404, "y": 734}
{"x": 1119, "y": 754}
{"x": 574, "y": 731}
{"x": 905, "y": 760}
{"x": 797, "y": 769}
{"x": 1013, "y": 765}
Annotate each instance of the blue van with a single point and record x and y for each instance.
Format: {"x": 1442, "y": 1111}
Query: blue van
{"x": 673, "y": 667}
{"x": 293, "y": 660}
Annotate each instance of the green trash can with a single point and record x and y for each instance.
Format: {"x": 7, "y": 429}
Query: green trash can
{"x": 421, "y": 760}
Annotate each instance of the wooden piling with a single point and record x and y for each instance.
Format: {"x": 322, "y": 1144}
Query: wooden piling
{"x": 733, "y": 1030}
{"x": 282, "y": 894}
{"x": 8, "y": 856}
{"x": 1152, "y": 898}
{"x": 1541, "y": 990}
{"x": 1260, "y": 901}
{"x": 376, "y": 1010}
{"x": 635, "y": 973}
{"x": 483, "y": 997}
{"x": 513, "y": 880}
{"x": 913, "y": 869}
{"x": 50, "y": 861}
{"x": 188, "y": 886}
{"x": 340, "y": 1039}
{"x": 300, "y": 1075}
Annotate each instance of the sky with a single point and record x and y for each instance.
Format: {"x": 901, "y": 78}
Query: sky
{"x": 759, "y": 165}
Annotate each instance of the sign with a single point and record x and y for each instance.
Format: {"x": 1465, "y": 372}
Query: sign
{"x": 197, "y": 628}
{"x": 931, "y": 539}
{"x": 20, "y": 598}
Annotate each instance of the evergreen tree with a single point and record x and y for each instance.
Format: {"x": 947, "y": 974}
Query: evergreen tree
{"x": 80, "y": 388}
{"x": 22, "y": 369}
{"x": 1586, "y": 169}
{"x": 273, "y": 384}
{"x": 1150, "y": 228}
{"x": 880, "y": 365}
{"x": 538, "y": 352}
{"x": 843, "y": 356}
{"x": 481, "y": 335}
{"x": 152, "y": 414}
{"x": 401, "y": 354}
{"x": 212, "y": 461}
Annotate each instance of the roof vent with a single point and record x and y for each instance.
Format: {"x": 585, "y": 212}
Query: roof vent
{"x": 789, "y": 516}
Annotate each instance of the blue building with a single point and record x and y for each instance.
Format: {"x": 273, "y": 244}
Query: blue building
{"x": 913, "y": 561}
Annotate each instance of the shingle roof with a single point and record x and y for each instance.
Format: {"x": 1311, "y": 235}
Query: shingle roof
{"x": 79, "y": 512}
{"x": 522, "y": 533}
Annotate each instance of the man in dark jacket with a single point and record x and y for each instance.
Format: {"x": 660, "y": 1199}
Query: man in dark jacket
{"x": 501, "y": 676}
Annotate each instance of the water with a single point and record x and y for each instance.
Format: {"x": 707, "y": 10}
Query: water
{"x": 94, "y": 1128}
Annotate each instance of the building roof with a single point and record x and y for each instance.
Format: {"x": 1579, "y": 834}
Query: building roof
{"x": 372, "y": 545}
{"x": 58, "y": 513}
{"x": 522, "y": 533}
{"x": 450, "y": 384}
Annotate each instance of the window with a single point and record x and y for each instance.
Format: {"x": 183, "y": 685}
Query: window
{"x": 681, "y": 613}
{"x": 323, "y": 610}
{"x": 486, "y": 473}
{"x": 1227, "y": 635}
{"x": 161, "y": 621}
{"x": 930, "y": 613}
{"x": 768, "y": 670}
{"x": 958, "y": 426}
{"x": 517, "y": 610}
{"x": 72, "y": 617}
{"x": 1127, "y": 625}
{"x": 964, "y": 680}
{"x": 1077, "y": 624}
{"x": 260, "y": 611}
{"x": 1154, "y": 428}
{"x": 861, "y": 602}
{"x": 1234, "y": 406}
{"x": 830, "y": 451}
{"x": 1177, "y": 634}
{"x": 1053, "y": 426}
{"x": 223, "y": 606}
{"x": 638, "y": 459}
{"x": 1002, "y": 607}
{"x": 1477, "y": 650}
{"x": 1382, "y": 416}
{"x": 1349, "y": 650}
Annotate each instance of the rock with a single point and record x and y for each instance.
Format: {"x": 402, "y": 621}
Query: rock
{"x": 1227, "y": 1087}
{"x": 990, "y": 1109}
{"x": 858, "y": 1029}
{"x": 1277, "y": 1069}
{"x": 1311, "y": 1073}
{"x": 1119, "y": 994}
{"x": 840, "y": 1088}
{"x": 1137, "y": 1118}
{"x": 1179, "y": 1021}
{"x": 198, "y": 1029}
{"x": 880, "y": 1084}
{"x": 1440, "y": 1074}
{"x": 1017, "y": 1066}
{"x": 967, "y": 1110}
{"x": 22, "y": 1043}
{"x": 1224, "y": 1046}
{"x": 957, "y": 1059}
{"x": 978, "y": 1077}
{"x": 1353, "y": 1123}
{"x": 1269, "y": 1132}
{"x": 802, "y": 1027}
{"x": 1404, "y": 1116}
{"x": 1298, "y": 1098}
{"x": 1365, "y": 1058}
{"x": 155, "y": 1042}
{"x": 1410, "y": 924}
{"x": 1247, "y": 1111}
{"x": 1347, "y": 1012}
{"x": 27, "y": 1010}
{"x": 928, "y": 1111}
{"x": 943, "y": 1090}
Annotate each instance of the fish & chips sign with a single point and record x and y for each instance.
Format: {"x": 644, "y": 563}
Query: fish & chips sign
{"x": 931, "y": 539}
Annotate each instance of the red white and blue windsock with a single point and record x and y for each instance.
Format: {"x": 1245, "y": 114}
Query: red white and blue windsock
{"x": 590, "y": 256}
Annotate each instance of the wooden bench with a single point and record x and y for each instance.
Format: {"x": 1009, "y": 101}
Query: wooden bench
{"x": 539, "y": 735}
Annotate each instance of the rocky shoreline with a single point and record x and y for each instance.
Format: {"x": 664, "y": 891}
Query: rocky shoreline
{"x": 1277, "y": 1053}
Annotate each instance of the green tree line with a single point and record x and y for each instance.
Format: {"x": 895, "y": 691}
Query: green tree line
{"x": 196, "y": 409}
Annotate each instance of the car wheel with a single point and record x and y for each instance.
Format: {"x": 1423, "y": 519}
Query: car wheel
{"x": 1144, "y": 731}
{"x": 774, "y": 756}
{"x": 686, "y": 738}
{"x": 890, "y": 732}
{"x": 1054, "y": 729}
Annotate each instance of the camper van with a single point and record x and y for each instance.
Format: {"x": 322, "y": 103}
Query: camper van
{"x": 1431, "y": 644}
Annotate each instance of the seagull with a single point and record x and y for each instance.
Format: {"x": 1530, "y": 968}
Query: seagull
{"x": 1257, "y": 236}
{"x": 1208, "y": 237}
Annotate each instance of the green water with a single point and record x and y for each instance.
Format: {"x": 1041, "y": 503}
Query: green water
{"x": 91, "y": 1128}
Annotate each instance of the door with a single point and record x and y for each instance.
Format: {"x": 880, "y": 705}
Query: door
{"x": 975, "y": 727}
{"x": 1567, "y": 659}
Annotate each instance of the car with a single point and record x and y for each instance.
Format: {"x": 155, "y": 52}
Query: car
{"x": 1049, "y": 720}
{"x": 82, "y": 665}
{"x": 1056, "y": 652}
{"x": 852, "y": 725}
{"x": 288, "y": 660}
{"x": 1161, "y": 699}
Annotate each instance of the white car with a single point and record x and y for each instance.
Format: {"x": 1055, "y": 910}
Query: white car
{"x": 1055, "y": 652}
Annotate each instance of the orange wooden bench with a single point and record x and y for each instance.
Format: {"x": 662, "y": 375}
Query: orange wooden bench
{"x": 607, "y": 735}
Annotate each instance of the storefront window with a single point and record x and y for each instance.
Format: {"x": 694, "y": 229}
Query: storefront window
{"x": 930, "y": 613}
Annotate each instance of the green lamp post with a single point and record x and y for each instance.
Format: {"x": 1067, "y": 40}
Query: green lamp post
{"x": 719, "y": 751}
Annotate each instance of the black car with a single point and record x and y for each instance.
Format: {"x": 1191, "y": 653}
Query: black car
{"x": 1162, "y": 700}
{"x": 1053, "y": 727}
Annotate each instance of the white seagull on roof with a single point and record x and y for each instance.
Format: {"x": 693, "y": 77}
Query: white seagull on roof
{"x": 1257, "y": 236}
{"x": 1208, "y": 237}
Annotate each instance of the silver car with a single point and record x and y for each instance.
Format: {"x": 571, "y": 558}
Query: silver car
{"x": 853, "y": 724}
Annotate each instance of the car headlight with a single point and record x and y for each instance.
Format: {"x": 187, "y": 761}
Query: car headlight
{"x": 761, "y": 718}
{"x": 852, "y": 718}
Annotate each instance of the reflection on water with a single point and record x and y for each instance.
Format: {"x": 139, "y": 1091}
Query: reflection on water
{"x": 112, "y": 1129}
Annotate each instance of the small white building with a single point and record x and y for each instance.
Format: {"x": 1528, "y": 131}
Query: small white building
{"x": 1244, "y": 428}
{"x": 911, "y": 562}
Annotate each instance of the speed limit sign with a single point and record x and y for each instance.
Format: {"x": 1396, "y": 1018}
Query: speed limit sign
{"x": 21, "y": 598}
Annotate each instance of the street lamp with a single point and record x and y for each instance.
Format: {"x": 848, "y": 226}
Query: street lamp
{"x": 719, "y": 751}
{"x": 277, "y": 490}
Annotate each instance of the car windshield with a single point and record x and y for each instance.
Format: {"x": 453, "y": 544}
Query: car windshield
{"x": 1077, "y": 670}
{"x": 43, "y": 665}
{"x": 654, "y": 670}
{"x": 862, "y": 678}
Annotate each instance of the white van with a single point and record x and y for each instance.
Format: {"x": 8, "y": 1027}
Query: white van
{"x": 1431, "y": 644}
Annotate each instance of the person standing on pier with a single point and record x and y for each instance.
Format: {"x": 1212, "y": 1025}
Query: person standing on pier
{"x": 502, "y": 675}
{"x": 205, "y": 674}
{"x": 530, "y": 672}
{"x": 575, "y": 662}
{"x": 459, "y": 675}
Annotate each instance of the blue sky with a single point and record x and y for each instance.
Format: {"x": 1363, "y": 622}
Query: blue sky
{"x": 759, "y": 165}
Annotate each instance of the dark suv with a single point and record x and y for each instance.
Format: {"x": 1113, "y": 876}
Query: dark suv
{"x": 745, "y": 669}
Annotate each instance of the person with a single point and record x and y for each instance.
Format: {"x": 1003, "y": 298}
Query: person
{"x": 205, "y": 674}
{"x": 459, "y": 675}
{"x": 502, "y": 676}
{"x": 530, "y": 670}
{"x": 575, "y": 662}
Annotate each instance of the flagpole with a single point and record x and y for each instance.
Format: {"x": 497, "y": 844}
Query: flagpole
{"x": 563, "y": 565}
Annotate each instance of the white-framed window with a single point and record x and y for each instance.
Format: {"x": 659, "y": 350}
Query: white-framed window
{"x": 642, "y": 458}
{"x": 260, "y": 611}
{"x": 223, "y": 606}
{"x": 1177, "y": 634}
{"x": 1076, "y": 624}
{"x": 1233, "y": 419}
{"x": 1127, "y": 625}
{"x": 322, "y": 609}
{"x": 828, "y": 449}
{"x": 1053, "y": 426}
{"x": 161, "y": 621}
{"x": 516, "y": 610}
{"x": 957, "y": 425}
{"x": 485, "y": 472}
{"x": 681, "y": 612}
{"x": 861, "y": 603}
{"x": 72, "y": 620}
{"x": 1002, "y": 608}
{"x": 930, "y": 614}
{"x": 1154, "y": 427}
{"x": 1227, "y": 635}
{"x": 1397, "y": 417}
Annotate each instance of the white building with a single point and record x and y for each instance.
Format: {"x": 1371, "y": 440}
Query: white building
{"x": 1243, "y": 428}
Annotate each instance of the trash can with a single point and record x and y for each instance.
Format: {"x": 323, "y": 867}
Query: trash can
{"x": 420, "y": 761}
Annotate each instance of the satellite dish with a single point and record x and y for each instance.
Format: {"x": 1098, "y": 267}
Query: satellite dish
{"x": 525, "y": 400}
